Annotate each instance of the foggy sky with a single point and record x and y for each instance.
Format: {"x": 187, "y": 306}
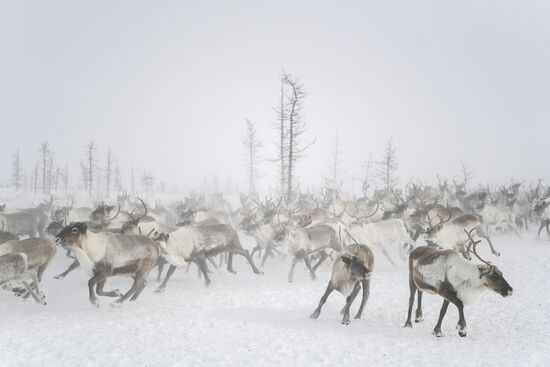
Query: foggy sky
{"x": 167, "y": 85}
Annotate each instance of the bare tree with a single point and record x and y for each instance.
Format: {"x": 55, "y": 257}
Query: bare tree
{"x": 252, "y": 144}
{"x": 387, "y": 167}
{"x": 133, "y": 181}
{"x": 466, "y": 175}
{"x": 296, "y": 129}
{"x": 44, "y": 163}
{"x": 147, "y": 182}
{"x": 89, "y": 167}
{"x": 108, "y": 171}
{"x": 35, "y": 177}
{"x": 368, "y": 167}
{"x": 17, "y": 171}
{"x": 65, "y": 179}
{"x": 117, "y": 183}
{"x": 333, "y": 180}
{"x": 282, "y": 132}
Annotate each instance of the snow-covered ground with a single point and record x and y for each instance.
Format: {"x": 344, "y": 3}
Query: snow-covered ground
{"x": 251, "y": 320}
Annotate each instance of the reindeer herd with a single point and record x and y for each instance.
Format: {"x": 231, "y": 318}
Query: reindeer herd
{"x": 437, "y": 228}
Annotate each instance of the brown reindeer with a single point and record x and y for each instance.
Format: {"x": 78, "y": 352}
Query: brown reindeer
{"x": 457, "y": 280}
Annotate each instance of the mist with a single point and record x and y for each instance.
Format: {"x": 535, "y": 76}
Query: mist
{"x": 168, "y": 86}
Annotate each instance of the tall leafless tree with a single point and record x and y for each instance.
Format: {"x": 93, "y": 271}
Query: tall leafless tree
{"x": 108, "y": 171}
{"x": 387, "y": 167}
{"x": 282, "y": 133}
{"x": 296, "y": 129}
{"x": 89, "y": 167}
{"x": 252, "y": 145}
{"x": 336, "y": 170}
{"x": 44, "y": 163}
{"x": 17, "y": 171}
{"x": 368, "y": 168}
{"x": 147, "y": 182}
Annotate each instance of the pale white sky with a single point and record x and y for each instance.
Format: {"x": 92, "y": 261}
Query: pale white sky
{"x": 167, "y": 85}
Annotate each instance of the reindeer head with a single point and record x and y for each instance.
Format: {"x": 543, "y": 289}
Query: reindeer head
{"x": 54, "y": 227}
{"x": 433, "y": 230}
{"x": 72, "y": 235}
{"x": 101, "y": 213}
{"x": 493, "y": 280}
{"x": 356, "y": 267}
{"x": 489, "y": 273}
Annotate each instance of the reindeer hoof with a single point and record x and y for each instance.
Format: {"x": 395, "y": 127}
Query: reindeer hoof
{"x": 461, "y": 330}
{"x": 259, "y": 272}
{"x": 314, "y": 315}
{"x": 116, "y": 304}
{"x": 95, "y": 302}
{"x": 496, "y": 253}
{"x": 346, "y": 321}
{"x": 408, "y": 324}
{"x": 418, "y": 319}
{"x": 160, "y": 290}
{"x": 207, "y": 283}
{"x": 438, "y": 333}
{"x": 59, "y": 277}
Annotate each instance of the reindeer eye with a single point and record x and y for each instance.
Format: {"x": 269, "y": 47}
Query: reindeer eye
{"x": 74, "y": 230}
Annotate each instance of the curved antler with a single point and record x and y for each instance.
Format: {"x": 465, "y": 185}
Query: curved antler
{"x": 473, "y": 246}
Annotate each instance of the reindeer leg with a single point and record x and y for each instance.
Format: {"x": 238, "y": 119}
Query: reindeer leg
{"x": 482, "y": 234}
{"x": 204, "y": 268}
{"x": 542, "y": 225}
{"x": 327, "y": 293}
{"x": 91, "y": 287}
{"x": 161, "y": 262}
{"x": 230, "y": 264}
{"x": 162, "y": 287}
{"x": 100, "y": 292}
{"x": 245, "y": 253}
{"x": 349, "y": 300}
{"x": 75, "y": 264}
{"x": 139, "y": 281}
{"x": 366, "y": 291}
{"x": 291, "y": 272}
{"x": 385, "y": 252}
{"x": 437, "y": 330}
{"x": 412, "y": 290}
{"x": 323, "y": 256}
{"x": 33, "y": 294}
{"x": 418, "y": 314}
{"x": 212, "y": 262}
{"x": 267, "y": 252}
{"x": 139, "y": 290}
{"x": 308, "y": 264}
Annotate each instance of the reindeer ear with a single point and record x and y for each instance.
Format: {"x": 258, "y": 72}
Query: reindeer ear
{"x": 84, "y": 227}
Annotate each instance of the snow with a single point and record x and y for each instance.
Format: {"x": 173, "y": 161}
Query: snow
{"x": 252, "y": 320}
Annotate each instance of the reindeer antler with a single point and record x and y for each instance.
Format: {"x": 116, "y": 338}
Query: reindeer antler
{"x": 473, "y": 246}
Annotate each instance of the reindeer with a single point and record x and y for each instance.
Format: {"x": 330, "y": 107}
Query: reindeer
{"x": 449, "y": 233}
{"x": 14, "y": 268}
{"x": 446, "y": 273}
{"x": 542, "y": 209}
{"x": 351, "y": 270}
{"x": 6, "y": 236}
{"x": 26, "y": 222}
{"x": 301, "y": 243}
{"x": 54, "y": 228}
{"x": 103, "y": 255}
{"x": 384, "y": 235}
{"x": 197, "y": 243}
{"x": 39, "y": 253}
